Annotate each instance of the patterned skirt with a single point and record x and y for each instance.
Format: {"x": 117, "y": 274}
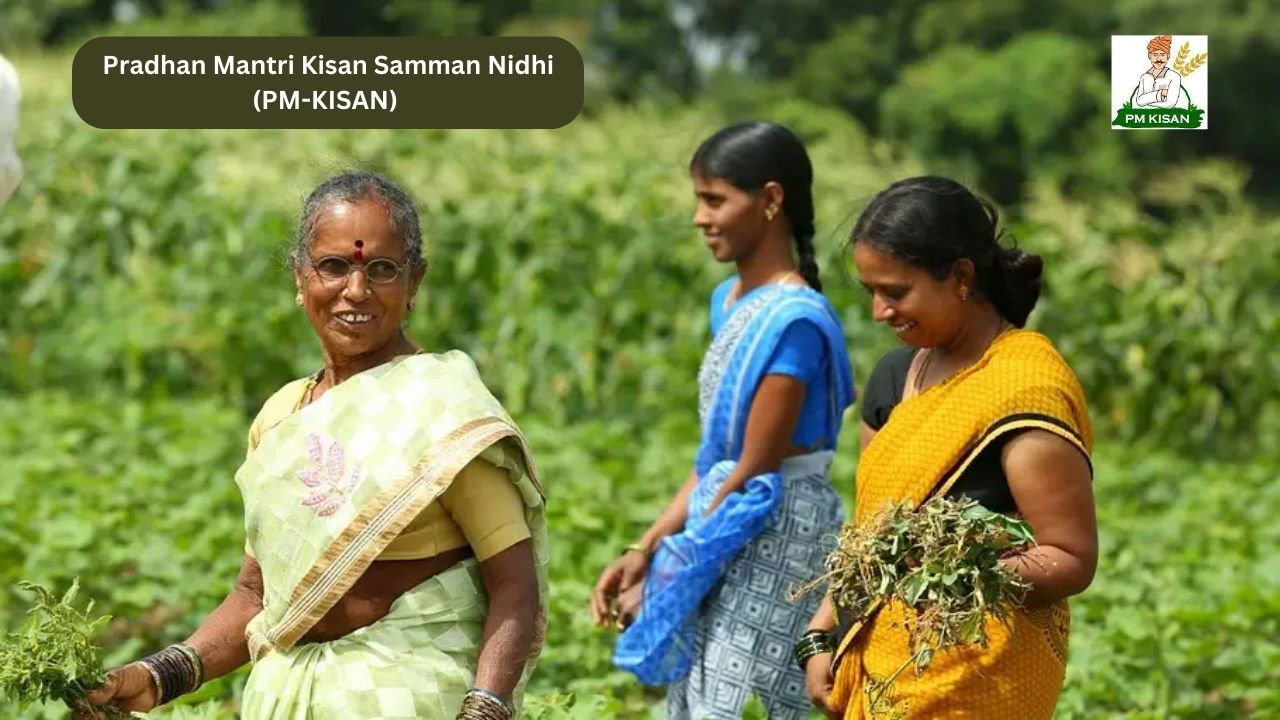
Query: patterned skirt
{"x": 417, "y": 662}
{"x": 747, "y": 624}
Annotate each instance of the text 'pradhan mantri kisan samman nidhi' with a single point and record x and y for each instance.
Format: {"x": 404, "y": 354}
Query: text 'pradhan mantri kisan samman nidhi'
{"x": 160, "y": 64}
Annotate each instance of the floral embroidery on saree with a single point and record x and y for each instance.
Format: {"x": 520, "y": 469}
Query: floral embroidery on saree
{"x": 330, "y": 483}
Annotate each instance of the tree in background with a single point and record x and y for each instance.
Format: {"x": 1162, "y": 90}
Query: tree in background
{"x": 1002, "y": 91}
{"x": 412, "y": 17}
{"x": 643, "y": 49}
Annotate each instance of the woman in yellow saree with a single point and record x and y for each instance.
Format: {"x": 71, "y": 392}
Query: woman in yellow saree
{"x": 396, "y": 547}
{"x": 974, "y": 406}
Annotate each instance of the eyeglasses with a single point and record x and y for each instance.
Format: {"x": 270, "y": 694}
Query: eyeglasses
{"x": 379, "y": 271}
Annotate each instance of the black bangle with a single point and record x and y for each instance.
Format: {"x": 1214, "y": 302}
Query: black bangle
{"x": 176, "y": 671}
{"x": 479, "y": 704}
{"x": 814, "y": 642}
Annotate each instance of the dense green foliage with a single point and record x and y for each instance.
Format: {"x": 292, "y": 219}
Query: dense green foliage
{"x": 154, "y": 263}
{"x": 146, "y": 311}
{"x": 1008, "y": 91}
{"x": 1183, "y": 621}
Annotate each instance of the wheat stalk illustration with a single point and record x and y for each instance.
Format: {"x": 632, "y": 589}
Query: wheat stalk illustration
{"x": 1194, "y": 63}
{"x": 1184, "y": 63}
{"x": 1181, "y": 60}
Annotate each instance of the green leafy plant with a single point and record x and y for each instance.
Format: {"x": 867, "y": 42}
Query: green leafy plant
{"x": 754, "y": 709}
{"x": 567, "y": 706}
{"x": 53, "y": 657}
{"x": 942, "y": 561}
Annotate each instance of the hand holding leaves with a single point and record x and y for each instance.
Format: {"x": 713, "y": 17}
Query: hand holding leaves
{"x": 52, "y": 656}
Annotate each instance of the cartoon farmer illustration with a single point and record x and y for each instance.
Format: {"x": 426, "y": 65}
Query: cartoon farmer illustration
{"x": 1161, "y": 86}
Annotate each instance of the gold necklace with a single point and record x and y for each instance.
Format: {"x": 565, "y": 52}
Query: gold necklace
{"x": 1001, "y": 329}
{"x": 309, "y": 390}
{"x": 777, "y": 279}
{"x": 735, "y": 293}
{"x": 313, "y": 382}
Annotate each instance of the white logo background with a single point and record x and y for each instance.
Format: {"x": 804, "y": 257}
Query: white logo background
{"x": 1129, "y": 61}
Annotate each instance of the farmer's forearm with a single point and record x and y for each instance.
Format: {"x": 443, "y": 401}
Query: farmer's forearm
{"x": 1053, "y": 573}
{"x": 825, "y": 617}
{"x": 220, "y": 640}
{"x": 775, "y": 411}
{"x": 672, "y": 520}
{"x": 508, "y": 636}
{"x": 511, "y": 584}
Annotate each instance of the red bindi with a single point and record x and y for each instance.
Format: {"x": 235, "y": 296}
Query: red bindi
{"x": 359, "y": 253}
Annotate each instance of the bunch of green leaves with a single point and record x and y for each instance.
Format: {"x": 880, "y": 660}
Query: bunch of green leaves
{"x": 53, "y": 657}
{"x": 942, "y": 561}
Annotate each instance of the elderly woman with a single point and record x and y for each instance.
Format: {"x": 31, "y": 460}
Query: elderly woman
{"x": 395, "y": 562}
{"x": 972, "y": 406}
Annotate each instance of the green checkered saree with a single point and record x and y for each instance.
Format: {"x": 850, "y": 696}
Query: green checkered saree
{"x": 325, "y": 491}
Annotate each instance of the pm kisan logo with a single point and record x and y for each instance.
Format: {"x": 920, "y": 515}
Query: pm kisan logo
{"x": 1160, "y": 82}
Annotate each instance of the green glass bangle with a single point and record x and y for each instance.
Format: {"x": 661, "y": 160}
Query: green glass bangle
{"x": 814, "y": 642}
{"x": 196, "y": 662}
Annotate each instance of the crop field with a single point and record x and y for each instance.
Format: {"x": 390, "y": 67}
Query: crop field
{"x": 147, "y": 312}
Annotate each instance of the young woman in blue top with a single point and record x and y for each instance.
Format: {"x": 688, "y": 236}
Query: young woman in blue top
{"x": 703, "y": 596}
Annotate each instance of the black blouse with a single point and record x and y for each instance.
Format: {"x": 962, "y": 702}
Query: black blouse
{"x": 984, "y": 480}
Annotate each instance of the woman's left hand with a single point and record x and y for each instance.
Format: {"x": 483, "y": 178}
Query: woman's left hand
{"x": 629, "y": 603}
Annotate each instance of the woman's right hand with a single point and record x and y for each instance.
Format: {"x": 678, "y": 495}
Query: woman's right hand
{"x": 818, "y": 683}
{"x": 620, "y": 575}
{"x": 130, "y": 688}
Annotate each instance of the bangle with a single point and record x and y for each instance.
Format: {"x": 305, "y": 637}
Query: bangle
{"x": 176, "y": 671}
{"x": 814, "y": 642}
{"x": 196, "y": 662}
{"x": 480, "y": 704}
{"x": 636, "y": 547}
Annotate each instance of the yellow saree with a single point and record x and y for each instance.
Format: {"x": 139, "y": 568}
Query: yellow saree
{"x": 1021, "y": 382}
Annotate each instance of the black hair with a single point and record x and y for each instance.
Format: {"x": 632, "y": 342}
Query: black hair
{"x": 748, "y": 155}
{"x": 354, "y": 186}
{"x": 931, "y": 222}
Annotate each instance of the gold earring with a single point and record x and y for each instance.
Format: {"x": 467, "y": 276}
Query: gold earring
{"x": 297, "y": 299}
{"x": 768, "y": 214}
{"x": 410, "y": 305}
{"x": 964, "y": 293}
